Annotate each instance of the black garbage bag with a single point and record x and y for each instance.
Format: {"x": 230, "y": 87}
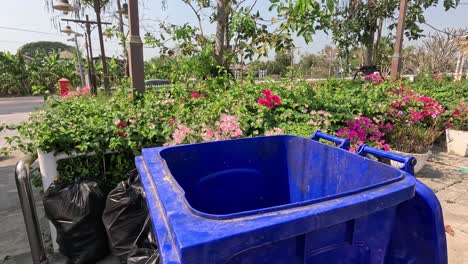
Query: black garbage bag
{"x": 124, "y": 215}
{"x": 144, "y": 250}
{"x": 75, "y": 210}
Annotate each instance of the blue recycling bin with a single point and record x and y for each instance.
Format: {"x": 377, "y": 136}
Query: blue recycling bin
{"x": 288, "y": 199}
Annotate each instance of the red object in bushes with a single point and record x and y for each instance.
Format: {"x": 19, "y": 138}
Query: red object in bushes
{"x": 64, "y": 84}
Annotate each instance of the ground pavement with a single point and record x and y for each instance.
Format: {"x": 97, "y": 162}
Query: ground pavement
{"x": 447, "y": 176}
{"x": 444, "y": 174}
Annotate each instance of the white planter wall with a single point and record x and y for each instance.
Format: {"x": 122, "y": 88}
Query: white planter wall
{"x": 457, "y": 142}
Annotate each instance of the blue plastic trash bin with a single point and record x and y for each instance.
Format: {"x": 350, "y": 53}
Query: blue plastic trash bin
{"x": 280, "y": 199}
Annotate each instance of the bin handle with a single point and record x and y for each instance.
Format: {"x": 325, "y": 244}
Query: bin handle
{"x": 408, "y": 161}
{"x": 343, "y": 143}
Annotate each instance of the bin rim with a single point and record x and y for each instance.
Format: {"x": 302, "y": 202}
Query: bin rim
{"x": 232, "y": 216}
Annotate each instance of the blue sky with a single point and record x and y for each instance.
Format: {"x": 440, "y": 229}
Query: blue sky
{"x": 33, "y": 15}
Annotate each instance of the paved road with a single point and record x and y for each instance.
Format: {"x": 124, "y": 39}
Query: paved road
{"x": 12, "y": 105}
{"x": 13, "y": 239}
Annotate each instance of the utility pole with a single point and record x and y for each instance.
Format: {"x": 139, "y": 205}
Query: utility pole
{"x": 292, "y": 63}
{"x": 97, "y": 9}
{"x": 135, "y": 48}
{"x": 396, "y": 60}
{"x": 90, "y": 71}
{"x": 80, "y": 63}
{"x": 87, "y": 26}
{"x": 92, "y": 77}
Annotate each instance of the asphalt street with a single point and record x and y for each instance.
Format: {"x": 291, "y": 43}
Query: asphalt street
{"x": 12, "y": 105}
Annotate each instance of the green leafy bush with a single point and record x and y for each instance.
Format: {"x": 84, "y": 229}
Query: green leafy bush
{"x": 213, "y": 109}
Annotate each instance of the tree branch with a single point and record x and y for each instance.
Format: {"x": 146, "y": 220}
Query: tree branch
{"x": 197, "y": 14}
{"x": 441, "y": 31}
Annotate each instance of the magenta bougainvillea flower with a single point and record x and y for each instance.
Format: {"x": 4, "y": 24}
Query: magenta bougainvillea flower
{"x": 364, "y": 130}
{"x": 375, "y": 77}
{"x": 269, "y": 99}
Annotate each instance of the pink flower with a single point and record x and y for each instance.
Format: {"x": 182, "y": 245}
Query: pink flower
{"x": 262, "y": 101}
{"x": 194, "y": 95}
{"x": 85, "y": 90}
{"x": 184, "y": 129}
{"x": 178, "y": 136}
{"x": 448, "y": 124}
{"x": 276, "y": 99}
{"x": 270, "y": 99}
{"x": 363, "y": 130}
{"x": 228, "y": 127}
{"x": 122, "y": 124}
{"x": 122, "y": 134}
{"x": 132, "y": 121}
{"x": 375, "y": 77}
{"x": 274, "y": 131}
{"x": 267, "y": 93}
{"x": 228, "y": 118}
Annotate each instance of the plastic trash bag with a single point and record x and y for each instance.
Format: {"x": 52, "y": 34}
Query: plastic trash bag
{"x": 75, "y": 210}
{"x": 144, "y": 250}
{"x": 124, "y": 215}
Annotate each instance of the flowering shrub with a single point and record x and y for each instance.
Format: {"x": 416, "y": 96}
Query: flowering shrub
{"x": 375, "y": 77}
{"x": 364, "y": 130}
{"x": 127, "y": 121}
{"x": 457, "y": 118}
{"x": 412, "y": 108}
{"x": 269, "y": 100}
{"x": 415, "y": 118}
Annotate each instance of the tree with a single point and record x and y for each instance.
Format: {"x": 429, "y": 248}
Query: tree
{"x": 243, "y": 30}
{"x": 313, "y": 65}
{"x": 44, "y": 47}
{"x": 436, "y": 52}
{"x": 360, "y": 22}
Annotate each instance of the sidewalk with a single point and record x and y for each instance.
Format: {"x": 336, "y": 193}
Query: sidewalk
{"x": 444, "y": 174}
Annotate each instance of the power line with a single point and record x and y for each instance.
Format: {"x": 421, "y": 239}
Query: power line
{"x": 28, "y": 30}
{"x": 10, "y": 41}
